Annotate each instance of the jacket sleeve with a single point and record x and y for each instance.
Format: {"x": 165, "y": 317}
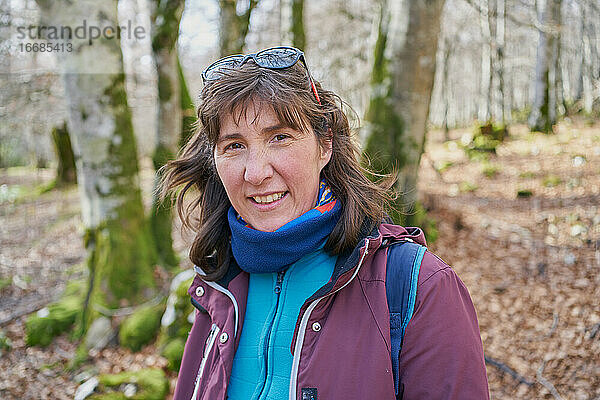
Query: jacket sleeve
{"x": 442, "y": 353}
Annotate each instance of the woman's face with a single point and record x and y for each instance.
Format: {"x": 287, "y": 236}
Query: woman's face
{"x": 270, "y": 171}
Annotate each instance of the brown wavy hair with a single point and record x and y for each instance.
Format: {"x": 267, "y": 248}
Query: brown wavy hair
{"x": 289, "y": 94}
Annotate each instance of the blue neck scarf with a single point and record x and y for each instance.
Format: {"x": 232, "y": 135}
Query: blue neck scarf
{"x": 261, "y": 252}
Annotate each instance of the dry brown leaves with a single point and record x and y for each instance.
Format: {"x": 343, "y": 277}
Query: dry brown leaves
{"x": 532, "y": 265}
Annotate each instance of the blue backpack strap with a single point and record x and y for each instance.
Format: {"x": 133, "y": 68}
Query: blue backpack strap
{"x": 402, "y": 273}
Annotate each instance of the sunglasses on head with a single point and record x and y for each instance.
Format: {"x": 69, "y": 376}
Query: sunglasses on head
{"x": 272, "y": 58}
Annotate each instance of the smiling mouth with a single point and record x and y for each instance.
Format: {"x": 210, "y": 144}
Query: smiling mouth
{"x": 268, "y": 199}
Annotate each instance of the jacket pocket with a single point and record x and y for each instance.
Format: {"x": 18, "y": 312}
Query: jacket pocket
{"x": 210, "y": 342}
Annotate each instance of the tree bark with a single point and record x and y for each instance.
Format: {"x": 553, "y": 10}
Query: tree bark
{"x": 188, "y": 111}
{"x": 485, "y": 86}
{"x": 65, "y": 171}
{"x": 298, "y": 35}
{"x": 166, "y": 15}
{"x": 233, "y": 27}
{"x": 500, "y": 49}
{"x": 121, "y": 254}
{"x": 401, "y": 93}
{"x": 543, "y": 112}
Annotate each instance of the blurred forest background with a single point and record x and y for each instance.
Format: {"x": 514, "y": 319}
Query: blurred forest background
{"x": 490, "y": 109}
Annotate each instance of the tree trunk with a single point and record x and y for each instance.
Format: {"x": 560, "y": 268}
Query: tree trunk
{"x": 543, "y": 112}
{"x": 578, "y": 91}
{"x": 121, "y": 254}
{"x": 233, "y": 27}
{"x": 500, "y": 49}
{"x": 401, "y": 93}
{"x": 559, "y": 92}
{"x": 65, "y": 171}
{"x": 485, "y": 88}
{"x": 166, "y": 15}
{"x": 298, "y": 36}
{"x": 188, "y": 111}
{"x": 492, "y": 10}
{"x": 445, "y": 87}
{"x": 587, "y": 60}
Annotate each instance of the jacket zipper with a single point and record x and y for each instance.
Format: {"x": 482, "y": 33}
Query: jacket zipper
{"x": 304, "y": 323}
{"x": 277, "y": 291}
{"x": 226, "y": 292}
{"x": 210, "y": 341}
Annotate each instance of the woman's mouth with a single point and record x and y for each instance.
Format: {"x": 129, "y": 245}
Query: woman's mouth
{"x": 271, "y": 198}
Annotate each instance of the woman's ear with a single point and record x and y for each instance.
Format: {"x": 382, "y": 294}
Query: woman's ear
{"x": 326, "y": 151}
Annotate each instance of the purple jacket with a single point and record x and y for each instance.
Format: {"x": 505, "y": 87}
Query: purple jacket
{"x": 347, "y": 355}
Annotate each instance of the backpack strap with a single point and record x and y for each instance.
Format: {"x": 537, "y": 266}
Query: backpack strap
{"x": 402, "y": 272}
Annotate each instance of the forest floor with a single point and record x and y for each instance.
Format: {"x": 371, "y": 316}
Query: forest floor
{"x": 532, "y": 264}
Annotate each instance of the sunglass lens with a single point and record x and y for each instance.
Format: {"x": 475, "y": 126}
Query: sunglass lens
{"x": 218, "y": 69}
{"x": 277, "y": 58}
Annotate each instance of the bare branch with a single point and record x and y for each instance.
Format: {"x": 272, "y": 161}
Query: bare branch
{"x": 546, "y": 383}
{"x": 505, "y": 368}
{"x": 534, "y": 24}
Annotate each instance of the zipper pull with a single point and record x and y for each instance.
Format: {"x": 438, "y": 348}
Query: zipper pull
{"x": 279, "y": 282}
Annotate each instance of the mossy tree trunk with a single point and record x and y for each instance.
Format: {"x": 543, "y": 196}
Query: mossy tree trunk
{"x": 121, "y": 253}
{"x": 298, "y": 35}
{"x": 401, "y": 86}
{"x": 233, "y": 27}
{"x": 500, "y": 49}
{"x": 166, "y": 15}
{"x": 543, "y": 110}
{"x": 65, "y": 171}
{"x": 188, "y": 113}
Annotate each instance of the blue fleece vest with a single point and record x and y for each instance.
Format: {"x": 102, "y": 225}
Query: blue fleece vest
{"x": 263, "y": 361}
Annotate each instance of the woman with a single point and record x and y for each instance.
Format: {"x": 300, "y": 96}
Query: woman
{"x": 292, "y": 255}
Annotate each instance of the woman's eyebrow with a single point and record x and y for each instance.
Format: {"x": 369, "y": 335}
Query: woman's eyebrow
{"x": 272, "y": 128}
{"x": 229, "y": 136}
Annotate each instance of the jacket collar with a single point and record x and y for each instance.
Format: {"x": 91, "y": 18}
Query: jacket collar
{"x": 382, "y": 235}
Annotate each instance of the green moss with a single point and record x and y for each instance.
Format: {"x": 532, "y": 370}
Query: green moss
{"x": 527, "y": 175}
{"x": 6, "y": 344}
{"x": 482, "y": 143}
{"x": 551, "y": 180}
{"x": 165, "y": 26}
{"x": 65, "y": 172}
{"x": 161, "y": 217}
{"x": 141, "y": 327}
{"x": 443, "y": 166}
{"x": 173, "y": 337}
{"x": 5, "y": 282}
{"x": 109, "y": 396}
{"x": 298, "y": 36}
{"x": 386, "y": 146}
{"x": 187, "y": 108}
{"x": 180, "y": 327}
{"x": 81, "y": 355}
{"x": 152, "y": 384}
{"x": 41, "y": 329}
{"x": 183, "y": 308}
{"x": 173, "y": 352}
{"x": 545, "y": 121}
{"x": 524, "y": 193}
{"x": 165, "y": 91}
{"x": 467, "y": 187}
{"x": 490, "y": 170}
{"x": 121, "y": 250}
{"x": 497, "y": 132}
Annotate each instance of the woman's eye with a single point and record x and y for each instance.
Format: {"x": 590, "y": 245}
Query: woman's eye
{"x": 233, "y": 146}
{"x": 280, "y": 137}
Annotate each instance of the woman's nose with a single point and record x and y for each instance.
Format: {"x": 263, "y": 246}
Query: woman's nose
{"x": 258, "y": 168}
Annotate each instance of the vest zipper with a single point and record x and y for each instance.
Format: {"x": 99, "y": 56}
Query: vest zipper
{"x": 210, "y": 341}
{"x": 304, "y": 323}
{"x": 277, "y": 291}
